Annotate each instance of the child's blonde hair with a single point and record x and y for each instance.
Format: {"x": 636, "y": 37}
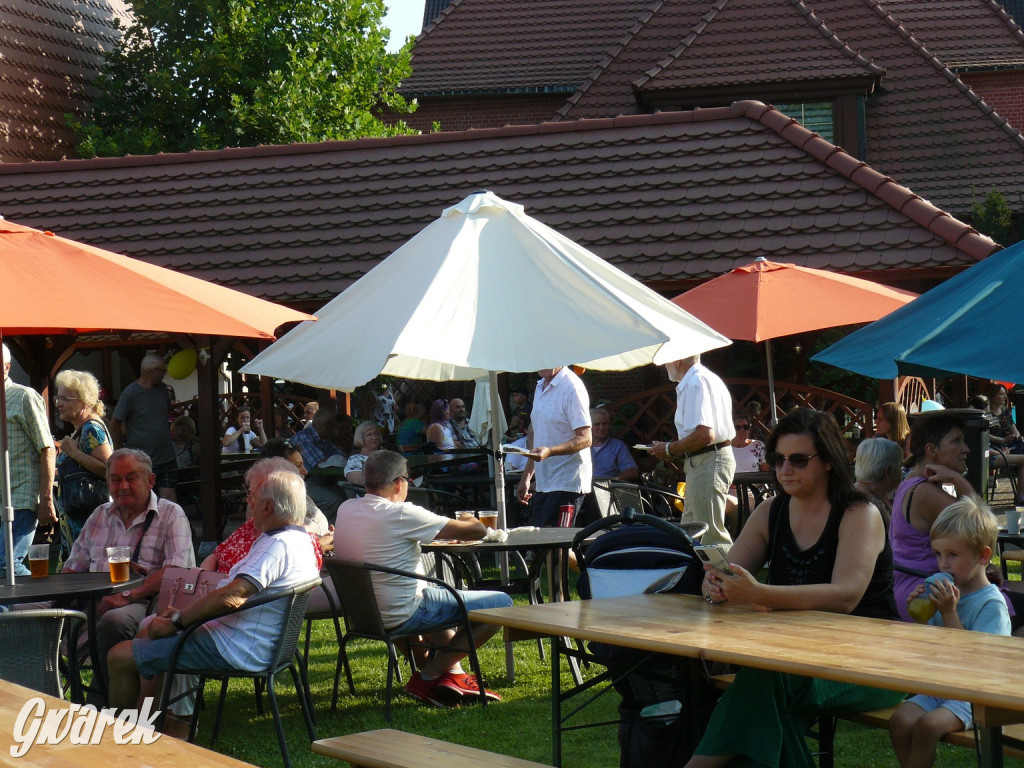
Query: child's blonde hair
{"x": 970, "y": 520}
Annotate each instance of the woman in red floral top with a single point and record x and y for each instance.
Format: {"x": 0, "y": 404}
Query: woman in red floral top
{"x": 237, "y": 545}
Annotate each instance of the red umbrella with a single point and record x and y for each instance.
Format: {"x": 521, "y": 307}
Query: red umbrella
{"x": 41, "y": 276}
{"x": 765, "y": 300}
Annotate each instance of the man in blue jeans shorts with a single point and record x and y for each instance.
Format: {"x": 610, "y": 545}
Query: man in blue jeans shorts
{"x": 384, "y": 529}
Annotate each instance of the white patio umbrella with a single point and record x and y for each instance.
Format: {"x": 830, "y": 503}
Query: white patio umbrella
{"x": 482, "y": 290}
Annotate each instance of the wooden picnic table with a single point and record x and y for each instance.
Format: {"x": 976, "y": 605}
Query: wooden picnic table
{"x": 980, "y": 668}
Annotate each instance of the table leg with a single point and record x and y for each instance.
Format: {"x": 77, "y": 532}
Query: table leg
{"x": 556, "y": 703}
{"x": 99, "y": 683}
{"x": 990, "y": 754}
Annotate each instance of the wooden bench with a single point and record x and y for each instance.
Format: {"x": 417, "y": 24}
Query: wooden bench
{"x": 1013, "y": 735}
{"x": 388, "y": 748}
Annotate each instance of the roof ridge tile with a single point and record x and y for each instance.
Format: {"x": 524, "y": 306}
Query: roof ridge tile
{"x": 878, "y": 185}
{"x": 583, "y": 87}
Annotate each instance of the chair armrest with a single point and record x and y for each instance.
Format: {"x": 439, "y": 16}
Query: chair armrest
{"x": 253, "y": 602}
{"x": 407, "y": 574}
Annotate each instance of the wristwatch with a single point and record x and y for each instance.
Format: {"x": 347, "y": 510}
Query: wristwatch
{"x": 176, "y": 620}
{"x": 127, "y": 594}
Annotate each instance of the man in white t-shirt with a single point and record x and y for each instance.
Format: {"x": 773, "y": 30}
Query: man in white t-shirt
{"x": 280, "y": 558}
{"x": 704, "y": 427}
{"x": 384, "y": 529}
{"x": 560, "y": 436}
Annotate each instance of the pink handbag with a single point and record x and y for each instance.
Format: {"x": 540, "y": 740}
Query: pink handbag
{"x": 181, "y": 587}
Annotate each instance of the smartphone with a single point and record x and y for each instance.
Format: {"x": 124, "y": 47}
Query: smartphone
{"x": 712, "y": 554}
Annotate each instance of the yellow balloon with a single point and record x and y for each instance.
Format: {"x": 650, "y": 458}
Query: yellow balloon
{"x": 182, "y": 364}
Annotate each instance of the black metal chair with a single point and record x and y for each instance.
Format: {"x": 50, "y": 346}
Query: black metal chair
{"x": 354, "y": 585}
{"x": 998, "y": 462}
{"x": 285, "y": 657}
{"x": 31, "y": 656}
{"x": 333, "y": 614}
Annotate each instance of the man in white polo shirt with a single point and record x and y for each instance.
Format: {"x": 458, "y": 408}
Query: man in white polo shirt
{"x": 705, "y": 429}
{"x": 560, "y": 437}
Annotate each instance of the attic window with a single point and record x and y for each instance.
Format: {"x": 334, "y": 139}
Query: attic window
{"x": 813, "y": 115}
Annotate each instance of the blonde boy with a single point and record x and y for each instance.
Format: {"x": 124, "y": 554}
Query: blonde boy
{"x": 962, "y": 537}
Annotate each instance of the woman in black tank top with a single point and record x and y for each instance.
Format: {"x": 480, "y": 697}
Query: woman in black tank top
{"x": 826, "y": 549}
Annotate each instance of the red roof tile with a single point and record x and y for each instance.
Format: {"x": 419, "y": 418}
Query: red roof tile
{"x": 964, "y": 35}
{"x": 781, "y": 46}
{"x": 669, "y": 197}
{"x": 552, "y": 47}
{"x": 50, "y": 50}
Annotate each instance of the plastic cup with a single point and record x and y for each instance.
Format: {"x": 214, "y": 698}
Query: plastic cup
{"x": 490, "y": 519}
{"x": 120, "y": 563}
{"x": 39, "y": 560}
{"x": 921, "y": 608}
{"x": 1013, "y": 520}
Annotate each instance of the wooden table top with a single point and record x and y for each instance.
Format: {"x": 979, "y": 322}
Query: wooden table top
{"x": 971, "y": 666}
{"x": 165, "y": 751}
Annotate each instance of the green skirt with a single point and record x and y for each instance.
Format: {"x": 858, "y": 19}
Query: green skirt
{"x": 763, "y": 717}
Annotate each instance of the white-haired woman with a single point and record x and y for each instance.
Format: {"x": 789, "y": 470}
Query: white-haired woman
{"x": 367, "y": 439}
{"x": 83, "y": 454}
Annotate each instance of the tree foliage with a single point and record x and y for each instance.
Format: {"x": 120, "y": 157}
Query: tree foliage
{"x": 205, "y": 74}
{"x": 994, "y": 217}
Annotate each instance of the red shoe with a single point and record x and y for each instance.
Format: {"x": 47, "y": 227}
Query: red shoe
{"x": 465, "y": 685}
{"x": 424, "y": 690}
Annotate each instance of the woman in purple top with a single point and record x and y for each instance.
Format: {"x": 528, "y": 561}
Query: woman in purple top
{"x": 940, "y": 458}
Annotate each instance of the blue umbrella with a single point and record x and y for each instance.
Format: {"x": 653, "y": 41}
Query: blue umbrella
{"x": 952, "y": 329}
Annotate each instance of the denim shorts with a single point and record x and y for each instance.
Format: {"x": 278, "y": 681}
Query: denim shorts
{"x": 438, "y": 608}
{"x": 961, "y": 709}
{"x": 153, "y": 656}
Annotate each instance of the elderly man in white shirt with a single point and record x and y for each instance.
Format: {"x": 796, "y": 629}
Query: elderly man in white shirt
{"x": 705, "y": 429}
{"x": 560, "y": 436}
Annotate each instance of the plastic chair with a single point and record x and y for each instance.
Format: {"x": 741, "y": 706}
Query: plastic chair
{"x": 284, "y": 657}
{"x": 31, "y": 649}
{"x": 354, "y": 585}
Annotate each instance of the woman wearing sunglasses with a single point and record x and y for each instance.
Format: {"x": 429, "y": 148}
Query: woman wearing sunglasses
{"x": 828, "y": 551}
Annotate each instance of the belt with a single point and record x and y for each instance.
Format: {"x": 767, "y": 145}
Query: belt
{"x": 706, "y": 449}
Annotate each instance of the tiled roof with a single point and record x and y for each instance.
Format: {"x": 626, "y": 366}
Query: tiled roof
{"x": 50, "y": 50}
{"x": 963, "y": 34}
{"x": 551, "y": 47}
{"x": 924, "y": 126}
{"x": 781, "y": 46}
{"x": 677, "y": 196}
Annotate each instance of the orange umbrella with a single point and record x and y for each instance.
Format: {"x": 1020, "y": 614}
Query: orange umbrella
{"x": 52, "y": 285}
{"x": 42, "y": 277}
{"x": 765, "y": 300}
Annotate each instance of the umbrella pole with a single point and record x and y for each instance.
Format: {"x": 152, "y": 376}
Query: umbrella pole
{"x": 773, "y": 418}
{"x": 8, "y": 519}
{"x": 499, "y": 498}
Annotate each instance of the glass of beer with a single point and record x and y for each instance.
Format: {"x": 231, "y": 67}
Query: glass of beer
{"x": 39, "y": 560}
{"x": 488, "y": 518}
{"x": 120, "y": 563}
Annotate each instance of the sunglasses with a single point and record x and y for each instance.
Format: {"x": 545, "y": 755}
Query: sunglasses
{"x": 741, "y": 426}
{"x": 796, "y": 461}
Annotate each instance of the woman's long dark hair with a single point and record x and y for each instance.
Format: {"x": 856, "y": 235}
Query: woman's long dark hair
{"x": 829, "y": 445}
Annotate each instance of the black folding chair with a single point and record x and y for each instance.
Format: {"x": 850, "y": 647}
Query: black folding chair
{"x": 285, "y": 656}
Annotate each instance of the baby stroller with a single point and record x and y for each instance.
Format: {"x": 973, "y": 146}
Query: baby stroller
{"x": 640, "y": 553}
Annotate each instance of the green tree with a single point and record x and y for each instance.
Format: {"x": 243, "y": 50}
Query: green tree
{"x": 205, "y": 74}
{"x": 994, "y": 218}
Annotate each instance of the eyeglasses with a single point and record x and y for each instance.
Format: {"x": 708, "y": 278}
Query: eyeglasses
{"x": 741, "y": 426}
{"x": 796, "y": 461}
{"x": 65, "y": 399}
{"x": 402, "y": 477}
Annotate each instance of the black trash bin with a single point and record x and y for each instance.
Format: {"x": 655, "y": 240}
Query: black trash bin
{"x": 976, "y": 427}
